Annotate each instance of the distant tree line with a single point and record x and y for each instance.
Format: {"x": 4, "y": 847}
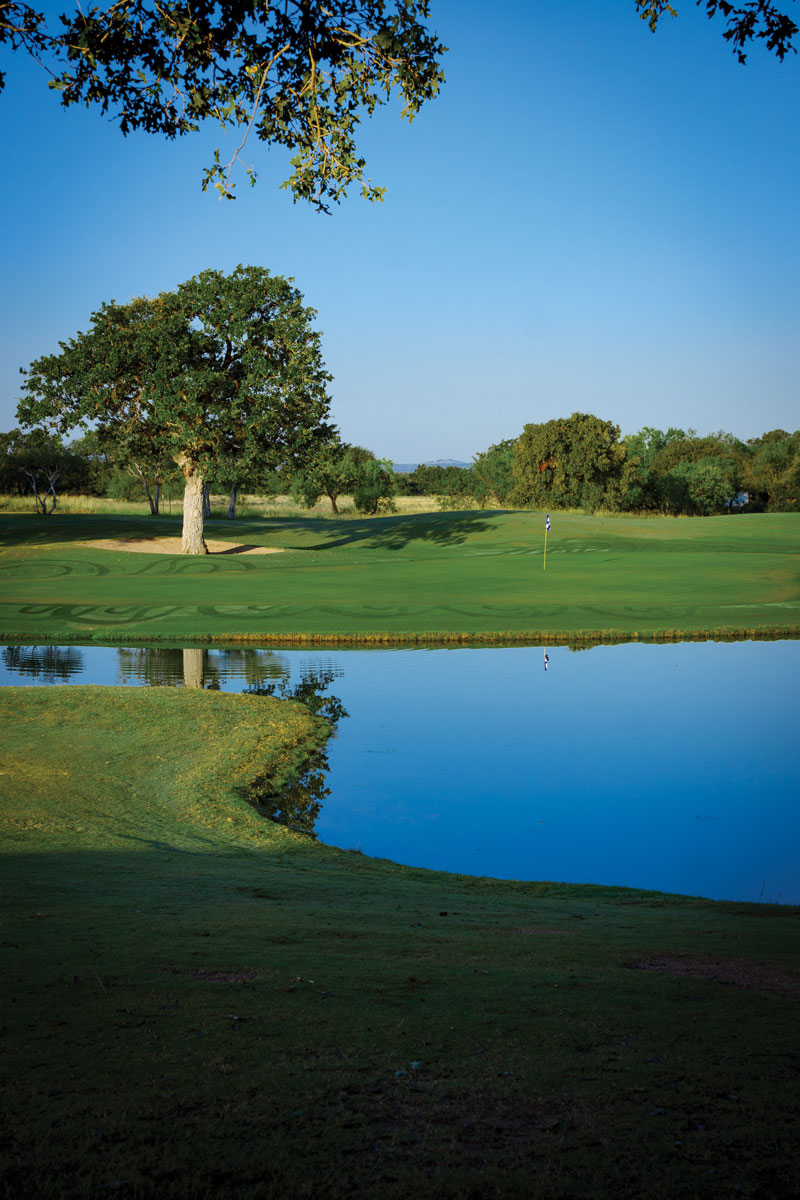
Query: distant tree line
{"x": 575, "y": 462}
{"x": 582, "y": 462}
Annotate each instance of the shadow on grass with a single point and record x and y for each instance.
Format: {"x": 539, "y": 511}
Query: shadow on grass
{"x": 29, "y": 530}
{"x": 392, "y": 533}
{"x": 300, "y": 533}
{"x": 385, "y": 533}
{"x": 241, "y": 1025}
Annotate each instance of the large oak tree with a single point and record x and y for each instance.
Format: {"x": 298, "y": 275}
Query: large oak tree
{"x": 225, "y": 365}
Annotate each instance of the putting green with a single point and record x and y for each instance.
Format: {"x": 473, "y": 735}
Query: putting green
{"x": 470, "y": 575}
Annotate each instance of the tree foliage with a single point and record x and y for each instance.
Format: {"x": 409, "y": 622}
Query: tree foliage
{"x": 700, "y": 486}
{"x": 753, "y": 20}
{"x": 36, "y": 461}
{"x": 678, "y": 472}
{"x": 571, "y": 462}
{"x": 647, "y": 443}
{"x": 329, "y": 473}
{"x": 224, "y": 366}
{"x": 492, "y": 474}
{"x": 139, "y": 464}
{"x": 771, "y": 471}
{"x": 337, "y": 469}
{"x": 300, "y": 74}
{"x": 435, "y": 480}
{"x": 375, "y": 486}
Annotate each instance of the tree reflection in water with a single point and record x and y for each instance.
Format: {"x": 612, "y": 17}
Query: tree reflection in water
{"x": 298, "y": 804}
{"x": 49, "y": 664}
{"x": 158, "y": 666}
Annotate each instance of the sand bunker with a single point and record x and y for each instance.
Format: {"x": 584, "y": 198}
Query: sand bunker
{"x": 172, "y": 545}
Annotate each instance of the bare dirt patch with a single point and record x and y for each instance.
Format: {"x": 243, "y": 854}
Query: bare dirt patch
{"x": 736, "y": 972}
{"x": 172, "y": 545}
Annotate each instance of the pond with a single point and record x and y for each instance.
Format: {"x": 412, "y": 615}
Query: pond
{"x": 672, "y": 767}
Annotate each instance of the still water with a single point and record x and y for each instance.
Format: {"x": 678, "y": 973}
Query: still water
{"x": 670, "y": 767}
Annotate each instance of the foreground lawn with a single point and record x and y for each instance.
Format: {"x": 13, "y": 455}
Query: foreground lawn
{"x": 413, "y": 577}
{"x": 200, "y": 1003}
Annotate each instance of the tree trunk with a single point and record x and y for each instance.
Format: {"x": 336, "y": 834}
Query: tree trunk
{"x": 154, "y": 502}
{"x": 192, "y": 542}
{"x": 41, "y": 501}
{"x": 193, "y": 668}
{"x": 41, "y": 508}
{"x": 52, "y": 492}
{"x": 206, "y": 499}
{"x": 332, "y": 498}
{"x": 146, "y": 486}
{"x": 231, "y": 513}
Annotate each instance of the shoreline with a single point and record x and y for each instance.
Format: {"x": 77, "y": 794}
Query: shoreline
{"x": 585, "y": 638}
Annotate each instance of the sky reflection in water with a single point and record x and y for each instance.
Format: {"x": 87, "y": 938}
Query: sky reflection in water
{"x": 667, "y": 767}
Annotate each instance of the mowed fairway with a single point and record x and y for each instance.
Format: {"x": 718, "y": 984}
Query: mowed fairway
{"x": 198, "y": 1003}
{"x": 469, "y": 574}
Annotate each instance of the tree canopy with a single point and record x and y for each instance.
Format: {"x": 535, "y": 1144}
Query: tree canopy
{"x": 298, "y": 73}
{"x": 225, "y": 365}
{"x": 771, "y": 470}
{"x": 570, "y": 462}
{"x": 338, "y": 468}
{"x": 493, "y": 473}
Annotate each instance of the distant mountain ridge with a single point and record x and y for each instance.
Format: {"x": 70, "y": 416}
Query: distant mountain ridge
{"x": 406, "y": 468}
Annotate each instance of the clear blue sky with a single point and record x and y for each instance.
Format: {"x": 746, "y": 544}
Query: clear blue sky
{"x": 590, "y": 218}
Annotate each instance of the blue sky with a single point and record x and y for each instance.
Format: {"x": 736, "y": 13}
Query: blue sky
{"x": 590, "y": 218}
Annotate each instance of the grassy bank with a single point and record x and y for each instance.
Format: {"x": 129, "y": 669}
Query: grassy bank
{"x": 439, "y": 576}
{"x": 200, "y": 1003}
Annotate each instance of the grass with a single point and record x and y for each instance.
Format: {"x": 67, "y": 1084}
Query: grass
{"x": 200, "y": 1003}
{"x": 247, "y": 506}
{"x": 470, "y": 575}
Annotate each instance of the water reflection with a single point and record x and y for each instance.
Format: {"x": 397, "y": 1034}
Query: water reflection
{"x": 673, "y": 767}
{"x": 193, "y": 672}
{"x": 46, "y": 664}
{"x": 199, "y": 667}
{"x": 299, "y": 802}
{"x": 308, "y": 691}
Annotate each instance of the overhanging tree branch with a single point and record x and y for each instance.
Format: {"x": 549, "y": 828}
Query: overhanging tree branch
{"x": 298, "y": 76}
{"x": 755, "y": 20}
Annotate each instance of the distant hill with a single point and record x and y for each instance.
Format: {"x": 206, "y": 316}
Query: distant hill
{"x": 406, "y": 468}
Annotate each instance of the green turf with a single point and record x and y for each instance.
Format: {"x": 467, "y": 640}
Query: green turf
{"x": 199, "y": 1003}
{"x": 442, "y": 575}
